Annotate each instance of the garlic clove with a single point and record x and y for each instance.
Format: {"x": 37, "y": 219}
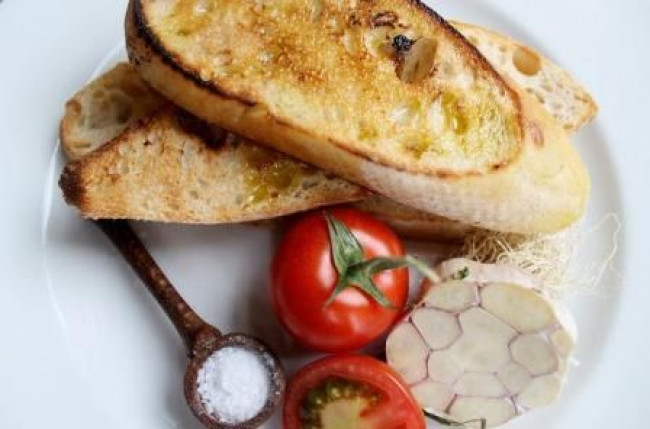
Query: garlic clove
{"x": 453, "y": 296}
{"x": 438, "y": 328}
{"x": 541, "y": 391}
{"x": 563, "y": 341}
{"x": 514, "y": 377}
{"x": 479, "y": 384}
{"x": 442, "y": 366}
{"x": 523, "y": 310}
{"x": 407, "y": 353}
{"x": 430, "y": 393}
{"x": 484, "y": 344}
{"x": 417, "y": 63}
{"x": 534, "y": 353}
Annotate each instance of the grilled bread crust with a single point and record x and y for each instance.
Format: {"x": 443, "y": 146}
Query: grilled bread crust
{"x": 540, "y": 185}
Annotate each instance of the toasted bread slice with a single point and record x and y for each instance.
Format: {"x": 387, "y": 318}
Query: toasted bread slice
{"x": 169, "y": 167}
{"x": 432, "y": 126}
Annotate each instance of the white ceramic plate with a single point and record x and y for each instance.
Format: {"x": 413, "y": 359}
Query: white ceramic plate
{"x": 82, "y": 340}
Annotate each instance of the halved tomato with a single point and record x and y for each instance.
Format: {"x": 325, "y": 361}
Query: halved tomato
{"x": 350, "y": 392}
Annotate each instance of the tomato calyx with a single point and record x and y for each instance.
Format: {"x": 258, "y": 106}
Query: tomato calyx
{"x": 354, "y": 271}
{"x": 347, "y": 255}
{"x": 451, "y": 423}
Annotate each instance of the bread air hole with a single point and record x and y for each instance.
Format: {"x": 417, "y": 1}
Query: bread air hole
{"x": 526, "y": 61}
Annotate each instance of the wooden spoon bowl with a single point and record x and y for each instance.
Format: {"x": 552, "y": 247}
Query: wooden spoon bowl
{"x": 270, "y": 360}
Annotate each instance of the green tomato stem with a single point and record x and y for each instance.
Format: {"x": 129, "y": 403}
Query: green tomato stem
{"x": 354, "y": 271}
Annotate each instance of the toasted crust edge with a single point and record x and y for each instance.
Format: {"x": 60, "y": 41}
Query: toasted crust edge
{"x": 74, "y": 190}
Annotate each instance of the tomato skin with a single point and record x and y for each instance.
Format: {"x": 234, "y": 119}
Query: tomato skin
{"x": 303, "y": 277}
{"x": 399, "y": 410}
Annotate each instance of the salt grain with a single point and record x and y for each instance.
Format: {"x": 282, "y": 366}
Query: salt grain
{"x": 233, "y": 384}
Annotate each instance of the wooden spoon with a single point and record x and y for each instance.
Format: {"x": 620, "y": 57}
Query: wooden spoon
{"x": 201, "y": 339}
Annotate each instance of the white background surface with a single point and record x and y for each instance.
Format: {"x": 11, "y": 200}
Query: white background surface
{"x": 79, "y": 354}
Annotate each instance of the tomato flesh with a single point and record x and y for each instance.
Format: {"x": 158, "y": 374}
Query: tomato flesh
{"x": 304, "y": 276}
{"x": 337, "y": 402}
{"x": 350, "y": 392}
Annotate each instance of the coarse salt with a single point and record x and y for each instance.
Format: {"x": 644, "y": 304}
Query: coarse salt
{"x": 233, "y": 384}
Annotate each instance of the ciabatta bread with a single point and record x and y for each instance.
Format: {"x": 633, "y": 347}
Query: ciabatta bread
{"x": 431, "y": 125}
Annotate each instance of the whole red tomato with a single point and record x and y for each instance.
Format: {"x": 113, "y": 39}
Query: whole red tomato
{"x": 304, "y": 276}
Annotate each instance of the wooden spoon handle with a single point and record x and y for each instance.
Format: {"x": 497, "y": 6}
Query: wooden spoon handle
{"x": 192, "y": 328}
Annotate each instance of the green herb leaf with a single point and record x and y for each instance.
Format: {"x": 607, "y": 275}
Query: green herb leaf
{"x": 447, "y": 422}
{"x": 461, "y": 274}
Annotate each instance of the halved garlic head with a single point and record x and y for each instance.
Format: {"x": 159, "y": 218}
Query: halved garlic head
{"x": 483, "y": 343}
